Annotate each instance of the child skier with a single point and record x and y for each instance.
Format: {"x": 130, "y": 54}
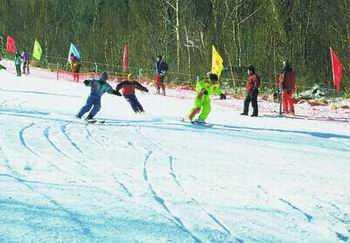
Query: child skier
{"x": 98, "y": 88}
{"x": 25, "y": 58}
{"x": 128, "y": 89}
{"x": 204, "y": 89}
{"x": 18, "y": 62}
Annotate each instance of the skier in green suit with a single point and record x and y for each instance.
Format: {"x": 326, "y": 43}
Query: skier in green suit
{"x": 204, "y": 89}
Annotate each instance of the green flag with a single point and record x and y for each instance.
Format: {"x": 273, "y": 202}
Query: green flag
{"x": 37, "y": 51}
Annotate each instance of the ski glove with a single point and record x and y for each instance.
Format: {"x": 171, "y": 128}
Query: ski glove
{"x": 116, "y": 92}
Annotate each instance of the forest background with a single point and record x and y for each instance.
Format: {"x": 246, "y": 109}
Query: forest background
{"x": 259, "y": 32}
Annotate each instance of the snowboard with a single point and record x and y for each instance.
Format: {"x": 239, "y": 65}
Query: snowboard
{"x": 197, "y": 123}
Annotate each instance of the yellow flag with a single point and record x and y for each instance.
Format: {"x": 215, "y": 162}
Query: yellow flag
{"x": 217, "y": 63}
{"x": 37, "y": 51}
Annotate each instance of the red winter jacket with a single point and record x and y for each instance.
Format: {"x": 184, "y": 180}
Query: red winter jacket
{"x": 287, "y": 81}
{"x": 128, "y": 87}
{"x": 253, "y": 82}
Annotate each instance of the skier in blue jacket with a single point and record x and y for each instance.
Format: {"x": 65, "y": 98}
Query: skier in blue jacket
{"x": 98, "y": 88}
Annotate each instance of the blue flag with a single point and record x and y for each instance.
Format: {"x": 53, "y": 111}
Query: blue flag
{"x": 73, "y": 50}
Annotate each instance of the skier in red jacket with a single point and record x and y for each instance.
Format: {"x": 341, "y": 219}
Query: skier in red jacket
{"x": 287, "y": 85}
{"x": 252, "y": 89}
{"x": 128, "y": 90}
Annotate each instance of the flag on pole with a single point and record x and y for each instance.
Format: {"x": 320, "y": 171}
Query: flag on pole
{"x": 337, "y": 69}
{"x": 216, "y": 63}
{"x": 125, "y": 58}
{"x": 37, "y": 51}
{"x": 2, "y": 40}
{"x": 11, "y": 45}
{"x": 73, "y": 50}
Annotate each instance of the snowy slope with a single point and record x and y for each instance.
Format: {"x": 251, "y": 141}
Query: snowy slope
{"x": 152, "y": 178}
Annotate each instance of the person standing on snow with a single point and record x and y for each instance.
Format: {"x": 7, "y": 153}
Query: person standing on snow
{"x": 161, "y": 70}
{"x": 75, "y": 67}
{"x": 252, "y": 89}
{"x": 128, "y": 89}
{"x": 25, "y": 58}
{"x": 18, "y": 62}
{"x": 204, "y": 89}
{"x": 98, "y": 88}
{"x": 287, "y": 85}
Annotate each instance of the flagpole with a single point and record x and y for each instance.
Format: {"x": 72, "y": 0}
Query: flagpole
{"x": 331, "y": 54}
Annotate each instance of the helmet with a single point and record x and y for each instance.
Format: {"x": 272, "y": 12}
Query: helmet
{"x": 213, "y": 77}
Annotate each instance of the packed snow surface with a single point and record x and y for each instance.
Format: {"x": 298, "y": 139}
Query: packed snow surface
{"x": 154, "y": 178}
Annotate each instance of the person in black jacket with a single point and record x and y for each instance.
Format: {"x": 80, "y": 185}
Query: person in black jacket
{"x": 161, "y": 70}
{"x": 128, "y": 90}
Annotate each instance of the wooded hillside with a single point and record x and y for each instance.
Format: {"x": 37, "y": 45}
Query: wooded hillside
{"x": 258, "y": 32}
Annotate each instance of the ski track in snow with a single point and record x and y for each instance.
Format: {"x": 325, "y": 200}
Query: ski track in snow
{"x": 162, "y": 202}
{"x": 25, "y": 145}
{"x": 74, "y": 217}
{"x": 60, "y": 157}
{"x": 307, "y": 216}
{"x": 177, "y": 182}
{"x": 18, "y": 178}
{"x": 64, "y": 131}
{"x": 47, "y": 135}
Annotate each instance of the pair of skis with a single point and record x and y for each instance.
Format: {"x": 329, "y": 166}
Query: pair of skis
{"x": 94, "y": 121}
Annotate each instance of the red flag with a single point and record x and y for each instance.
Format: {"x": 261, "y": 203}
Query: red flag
{"x": 125, "y": 58}
{"x": 11, "y": 45}
{"x": 337, "y": 69}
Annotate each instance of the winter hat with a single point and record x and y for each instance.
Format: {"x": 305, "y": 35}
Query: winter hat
{"x": 213, "y": 77}
{"x": 251, "y": 68}
{"x": 287, "y": 66}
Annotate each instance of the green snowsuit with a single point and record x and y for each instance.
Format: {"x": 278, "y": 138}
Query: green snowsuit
{"x": 204, "y": 89}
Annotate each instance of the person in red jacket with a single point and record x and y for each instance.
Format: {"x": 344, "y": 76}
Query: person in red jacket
{"x": 252, "y": 89}
{"x": 128, "y": 90}
{"x": 287, "y": 83}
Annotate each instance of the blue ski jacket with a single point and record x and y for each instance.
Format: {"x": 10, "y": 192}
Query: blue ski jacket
{"x": 99, "y": 87}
